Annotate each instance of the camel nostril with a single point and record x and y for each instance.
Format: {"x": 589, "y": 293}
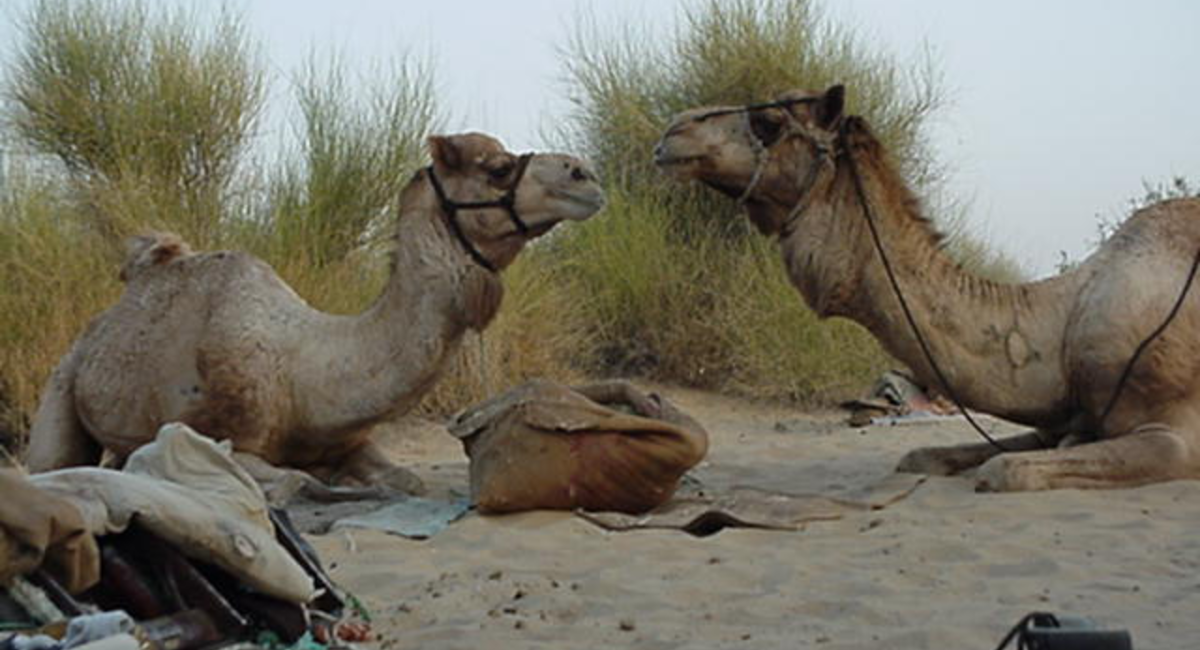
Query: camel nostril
{"x": 580, "y": 174}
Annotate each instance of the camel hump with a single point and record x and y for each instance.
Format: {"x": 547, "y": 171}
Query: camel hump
{"x": 152, "y": 249}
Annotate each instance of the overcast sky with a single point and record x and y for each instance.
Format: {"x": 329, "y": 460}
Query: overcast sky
{"x": 1060, "y": 109}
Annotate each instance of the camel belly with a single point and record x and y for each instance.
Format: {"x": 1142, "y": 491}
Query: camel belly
{"x": 1120, "y": 309}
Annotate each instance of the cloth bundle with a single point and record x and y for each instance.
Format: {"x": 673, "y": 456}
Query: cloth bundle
{"x": 602, "y": 447}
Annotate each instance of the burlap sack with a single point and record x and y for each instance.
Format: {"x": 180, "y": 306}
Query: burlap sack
{"x": 40, "y": 529}
{"x": 603, "y": 447}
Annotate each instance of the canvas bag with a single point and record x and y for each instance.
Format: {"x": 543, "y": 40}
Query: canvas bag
{"x": 543, "y": 445}
{"x": 40, "y": 529}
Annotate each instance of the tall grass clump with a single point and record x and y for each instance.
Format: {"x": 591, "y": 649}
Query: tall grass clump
{"x": 148, "y": 111}
{"x": 53, "y": 278}
{"x": 339, "y": 188}
{"x": 673, "y": 279}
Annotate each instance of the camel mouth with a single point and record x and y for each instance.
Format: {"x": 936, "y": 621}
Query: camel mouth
{"x": 674, "y": 163}
{"x": 727, "y": 189}
{"x": 541, "y": 229}
{"x": 593, "y": 202}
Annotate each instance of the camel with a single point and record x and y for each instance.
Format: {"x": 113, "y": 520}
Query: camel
{"x": 219, "y": 342}
{"x": 1047, "y": 354}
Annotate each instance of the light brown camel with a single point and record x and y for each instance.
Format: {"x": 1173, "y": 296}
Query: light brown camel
{"x": 1046, "y": 354}
{"x": 219, "y": 342}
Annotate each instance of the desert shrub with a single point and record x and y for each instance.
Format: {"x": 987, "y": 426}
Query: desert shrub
{"x": 339, "y": 186}
{"x": 673, "y": 280}
{"x": 147, "y": 111}
{"x": 55, "y": 275}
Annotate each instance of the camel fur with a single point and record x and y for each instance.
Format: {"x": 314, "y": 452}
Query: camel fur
{"x": 1046, "y": 354}
{"x": 219, "y": 342}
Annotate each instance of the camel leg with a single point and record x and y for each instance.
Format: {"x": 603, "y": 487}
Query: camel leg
{"x": 368, "y": 466}
{"x": 57, "y": 438}
{"x": 1149, "y": 454}
{"x": 946, "y": 461}
{"x": 281, "y": 485}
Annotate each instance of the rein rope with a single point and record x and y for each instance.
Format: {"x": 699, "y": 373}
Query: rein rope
{"x": 1187, "y": 285}
{"x": 507, "y": 202}
{"x": 861, "y": 195}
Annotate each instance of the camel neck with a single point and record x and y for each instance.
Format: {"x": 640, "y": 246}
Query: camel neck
{"x": 384, "y": 360}
{"x": 999, "y": 345}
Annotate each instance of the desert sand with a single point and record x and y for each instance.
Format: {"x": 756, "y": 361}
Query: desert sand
{"x": 943, "y": 567}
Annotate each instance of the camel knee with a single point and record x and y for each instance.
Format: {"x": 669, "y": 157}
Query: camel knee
{"x": 1174, "y": 452}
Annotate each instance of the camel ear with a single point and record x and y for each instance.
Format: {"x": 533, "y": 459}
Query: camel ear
{"x": 444, "y": 152}
{"x": 829, "y": 108}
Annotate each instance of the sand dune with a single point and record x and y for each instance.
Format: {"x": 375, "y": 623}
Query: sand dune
{"x": 942, "y": 568}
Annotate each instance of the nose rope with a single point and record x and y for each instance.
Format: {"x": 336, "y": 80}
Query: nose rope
{"x": 760, "y": 161}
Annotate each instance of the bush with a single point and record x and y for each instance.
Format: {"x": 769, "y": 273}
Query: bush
{"x": 340, "y": 187}
{"x": 147, "y": 112}
{"x": 674, "y": 282}
{"x": 55, "y": 275}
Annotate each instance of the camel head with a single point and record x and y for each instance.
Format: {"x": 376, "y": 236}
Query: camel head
{"x": 768, "y": 156}
{"x": 499, "y": 201}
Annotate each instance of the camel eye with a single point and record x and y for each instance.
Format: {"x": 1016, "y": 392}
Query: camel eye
{"x": 767, "y": 125}
{"x": 501, "y": 171}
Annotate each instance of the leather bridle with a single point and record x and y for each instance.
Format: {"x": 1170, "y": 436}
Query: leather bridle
{"x": 507, "y": 202}
{"x": 823, "y": 148}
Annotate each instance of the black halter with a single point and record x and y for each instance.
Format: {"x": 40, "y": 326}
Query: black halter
{"x": 750, "y": 108}
{"x": 451, "y": 207}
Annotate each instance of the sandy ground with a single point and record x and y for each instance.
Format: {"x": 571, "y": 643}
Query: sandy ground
{"x": 943, "y": 568}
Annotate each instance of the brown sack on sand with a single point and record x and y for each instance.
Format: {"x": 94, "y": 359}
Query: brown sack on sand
{"x": 603, "y": 447}
{"x": 37, "y": 528}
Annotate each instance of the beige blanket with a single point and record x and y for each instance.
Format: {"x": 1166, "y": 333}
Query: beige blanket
{"x": 187, "y": 490}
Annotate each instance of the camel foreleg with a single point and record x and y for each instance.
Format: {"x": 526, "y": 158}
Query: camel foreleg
{"x": 947, "y": 461}
{"x": 1149, "y": 454}
{"x": 368, "y": 466}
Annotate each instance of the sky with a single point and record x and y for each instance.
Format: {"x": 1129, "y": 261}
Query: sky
{"x": 1059, "y": 111}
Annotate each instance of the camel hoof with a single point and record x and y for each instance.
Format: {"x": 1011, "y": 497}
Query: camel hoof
{"x": 400, "y": 480}
{"x": 1005, "y": 474}
{"x": 926, "y": 460}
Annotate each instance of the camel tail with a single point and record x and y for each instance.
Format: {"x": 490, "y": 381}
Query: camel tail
{"x": 150, "y": 250}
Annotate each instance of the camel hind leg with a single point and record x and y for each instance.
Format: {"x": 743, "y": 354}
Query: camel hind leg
{"x": 57, "y": 437}
{"x": 1151, "y": 453}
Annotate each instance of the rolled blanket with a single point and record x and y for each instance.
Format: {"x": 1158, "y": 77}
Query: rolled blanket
{"x": 601, "y": 447}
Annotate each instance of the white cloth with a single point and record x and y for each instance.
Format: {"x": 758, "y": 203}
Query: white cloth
{"x": 187, "y": 490}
